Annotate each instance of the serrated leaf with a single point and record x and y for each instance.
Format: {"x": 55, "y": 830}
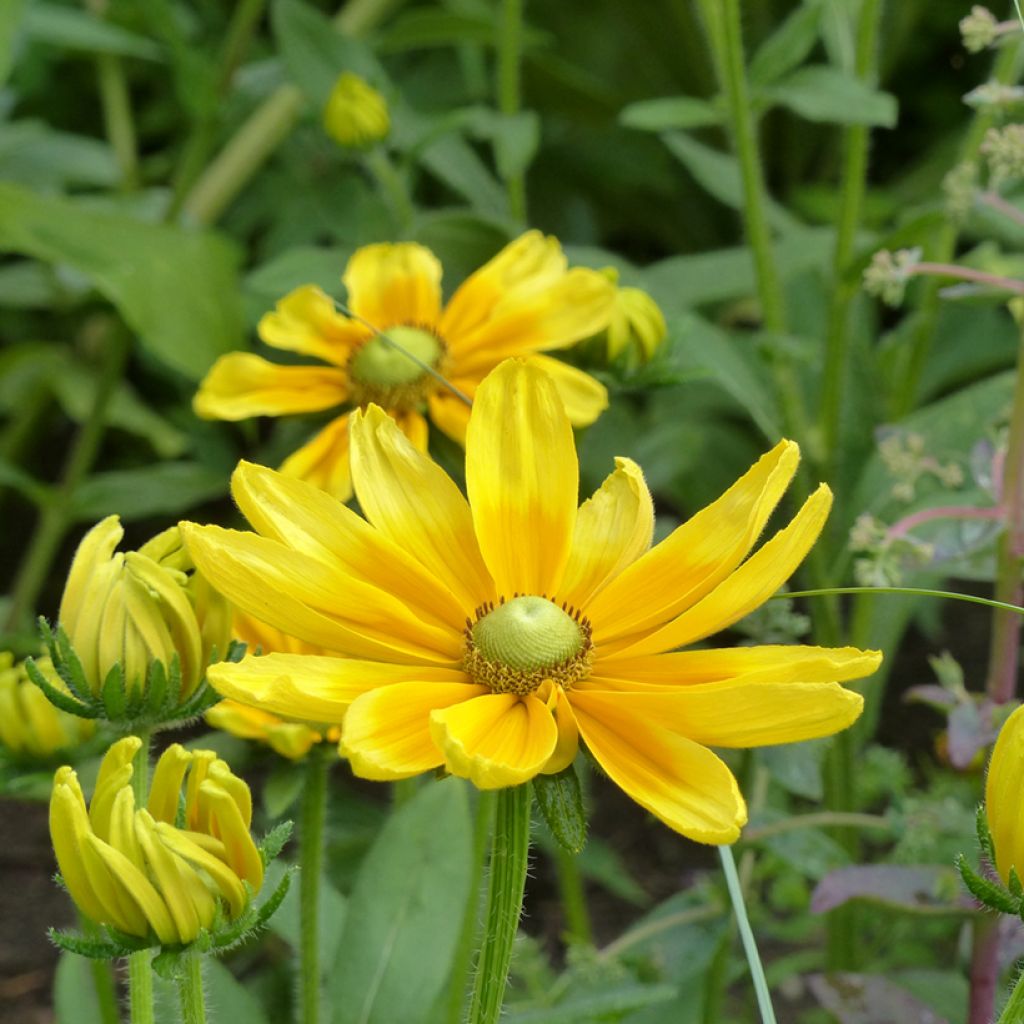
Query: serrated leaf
{"x": 986, "y": 892}
{"x": 560, "y": 801}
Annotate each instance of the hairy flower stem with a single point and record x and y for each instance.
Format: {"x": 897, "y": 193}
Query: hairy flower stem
{"x": 55, "y": 517}
{"x": 854, "y": 181}
{"x": 140, "y": 971}
{"x": 984, "y": 974}
{"x": 506, "y": 882}
{"x": 510, "y": 44}
{"x": 764, "y": 998}
{"x": 462, "y": 962}
{"x": 102, "y": 978}
{"x": 573, "y": 898}
{"x": 1013, "y": 1011}
{"x": 266, "y": 128}
{"x": 311, "y": 865}
{"x": 190, "y": 988}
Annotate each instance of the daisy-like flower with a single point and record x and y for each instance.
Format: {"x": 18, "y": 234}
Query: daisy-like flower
{"x": 524, "y": 301}
{"x": 492, "y": 636}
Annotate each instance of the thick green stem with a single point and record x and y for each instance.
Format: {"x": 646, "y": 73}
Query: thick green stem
{"x": 462, "y": 961}
{"x": 266, "y": 128}
{"x": 854, "y": 181}
{"x": 510, "y": 45}
{"x": 190, "y": 988}
{"x": 764, "y": 998}
{"x": 56, "y": 516}
{"x": 140, "y": 971}
{"x": 505, "y": 885}
{"x": 117, "y": 117}
{"x": 311, "y": 863}
{"x": 573, "y": 897}
{"x": 1013, "y": 1011}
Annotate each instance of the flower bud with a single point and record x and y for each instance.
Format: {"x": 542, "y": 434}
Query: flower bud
{"x": 356, "y": 114}
{"x": 129, "y": 610}
{"x": 31, "y": 728}
{"x": 1004, "y": 804}
{"x": 167, "y": 871}
{"x": 637, "y": 322}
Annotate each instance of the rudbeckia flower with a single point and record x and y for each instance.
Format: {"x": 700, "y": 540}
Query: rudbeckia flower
{"x": 1003, "y": 804}
{"x": 492, "y": 636}
{"x": 523, "y": 302}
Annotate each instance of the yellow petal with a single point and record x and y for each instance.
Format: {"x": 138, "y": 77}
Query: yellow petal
{"x": 748, "y": 587}
{"x": 414, "y": 503}
{"x": 230, "y": 828}
{"x": 677, "y": 780}
{"x": 568, "y": 731}
{"x": 449, "y": 412}
{"x": 165, "y": 789}
{"x": 183, "y": 844}
{"x": 168, "y": 873}
{"x": 262, "y": 638}
{"x": 69, "y": 824}
{"x": 115, "y": 773}
{"x": 123, "y": 836}
{"x": 394, "y": 284}
{"x": 312, "y": 600}
{"x": 697, "y": 556}
{"x": 496, "y": 740}
{"x": 236, "y": 788}
{"x": 584, "y": 397}
{"x": 311, "y": 688}
{"x": 310, "y": 521}
{"x": 1003, "y": 788}
{"x": 778, "y": 663}
{"x": 613, "y": 529}
{"x": 415, "y": 428}
{"x": 386, "y": 733}
{"x": 306, "y": 321}
{"x": 95, "y": 549}
{"x": 522, "y": 477}
{"x": 578, "y": 305}
{"x": 323, "y": 460}
{"x": 734, "y": 713}
{"x": 533, "y": 261}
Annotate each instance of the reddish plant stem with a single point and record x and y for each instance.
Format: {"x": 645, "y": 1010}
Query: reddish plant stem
{"x": 1007, "y": 284}
{"x": 908, "y": 523}
{"x": 984, "y": 970}
{"x": 996, "y": 202}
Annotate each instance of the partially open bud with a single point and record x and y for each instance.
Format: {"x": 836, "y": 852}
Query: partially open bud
{"x": 356, "y": 114}
{"x": 636, "y": 324}
{"x": 165, "y": 872}
{"x": 1004, "y": 797}
{"x": 142, "y": 628}
{"x": 31, "y": 728}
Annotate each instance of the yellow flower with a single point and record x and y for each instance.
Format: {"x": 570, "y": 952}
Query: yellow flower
{"x": 144, "y": 871}
{"x": 524, "y": 301}
{"x": 637, "y": 323}
{"x": 1004, "y": 796}
{"x": 30, "y": 726}
{"x": 137, "y": 607}
{"x": 492, "y": 636}
{"x": 356, "y": 114}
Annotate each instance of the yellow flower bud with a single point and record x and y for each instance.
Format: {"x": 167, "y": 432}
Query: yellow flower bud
{"x": 137, "y": 607}
{"x": 356, "y": 114}
{"x": 30, "y": 726}
{"x": 636, "y": 321}
{"x": 1004, "y": 803}
{"x": 137, "y": 869}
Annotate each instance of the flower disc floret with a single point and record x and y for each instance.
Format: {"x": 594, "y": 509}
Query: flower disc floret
{"x": 382, "y": 371}
{"x": 516, "y": 646}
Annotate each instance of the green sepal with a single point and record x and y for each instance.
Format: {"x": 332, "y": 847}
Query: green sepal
{"x": 273, "y": 842}
{"x": 59, "y": 700}
{"x": 254, "y": 918}
{"x": 986, "y": 892}
{"x": 1016, "y": 889}
{"x": 157, "y": 690}
{"x": 94, "y": 949}
{"x": 69, "y": 669}
{"x": 115, "y": 702}
{"x": 560, "y": 800}
{"x": 236, "y": 651}
{"x": 984, "y": 835}
{"x": 167, "y": 963}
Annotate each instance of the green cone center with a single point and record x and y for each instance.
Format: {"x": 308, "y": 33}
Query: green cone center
{"x": 528, "y": 633}
{"x": 383, "y": 365}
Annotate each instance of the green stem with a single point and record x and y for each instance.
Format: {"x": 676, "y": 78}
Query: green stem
{"x": 505, "y": 885}
{"x": 462, "y": 962}
{"x": 266, "y": 128}
{"x": 573, "y": 898}
{"x": 854, "y": 181}
{"x": 102, "y": 978}
{"x": 950, "y": 595}
{"x": 140, "y": 971}
{"x": 510, "y": 45}
{"x": 392, "y": 185}
{"x": 190, "y": 988}
{"x": 764, "y": 999}
{"x": 311, "y": 862}
{"x": 1013, "y": 1011}
{"x": 55, "y": 518}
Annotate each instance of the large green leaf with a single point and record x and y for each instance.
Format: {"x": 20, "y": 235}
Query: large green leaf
{"x": 167, "y": 488}
{"x": 74, "y": 993}
{"x": 405, "y": 912}
{"x": 669, "y": 112}
{"x": 74, "y": 29}
{"x": 176, "y": 289}
{"x": 822, "y": 93}
{"x": 32, "y": 153}
{"x": 787, "y": 46}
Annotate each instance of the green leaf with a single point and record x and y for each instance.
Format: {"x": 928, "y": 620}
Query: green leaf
{"x": 669, "y": 112}
{"x": 405, "y": 913}
{"x": 516, "y": 138}
{"x": 561, "y": 802}
{"x": 718, "y": 174}
{"x": 589, "y": 1007}
{"x": 453, "y": 161}
{"x": 787, "y": 46}
{"x": 177, "y": 289}
{"x": 233, "y": 1001}
{"x": 167, "y": 488}
{"x": 74, "y": 993}
{"x": 302, "y": 264}
{"x": 282, "y": 788}
{"x": 424, "y": 27}
{"x": 33, "y": 154}
{"x": 72, "y": 29}
{"x": 822, "y": 93}
{"x": 11, "y": 14}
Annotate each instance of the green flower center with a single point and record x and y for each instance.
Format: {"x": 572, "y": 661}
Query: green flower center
{"x": 381, "y": 364}
{"x": 516, "y": 646}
